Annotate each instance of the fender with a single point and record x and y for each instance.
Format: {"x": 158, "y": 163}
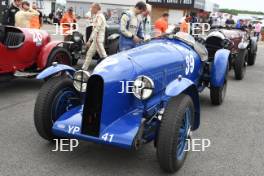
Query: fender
{"x": 45, "y": 52}
{"x": 219, "y": 67}
{"x": 52, "y": 70}
{"x": 177, "y": 86}
{"x": 186, "y": 86}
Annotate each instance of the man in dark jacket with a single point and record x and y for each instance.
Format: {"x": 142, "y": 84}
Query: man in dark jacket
{"x": 9, "y": 13}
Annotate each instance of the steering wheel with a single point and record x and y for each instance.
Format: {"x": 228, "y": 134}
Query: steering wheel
{"x": 228, "y": 43}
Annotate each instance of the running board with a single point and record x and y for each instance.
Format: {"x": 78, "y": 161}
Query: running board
{"x": 25, "y": 74}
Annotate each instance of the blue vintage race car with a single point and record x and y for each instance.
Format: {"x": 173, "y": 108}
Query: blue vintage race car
{"x": 149, "y": 93}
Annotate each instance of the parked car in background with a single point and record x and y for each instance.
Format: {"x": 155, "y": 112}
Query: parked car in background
{"x": 111, "y": 38}
{"x": 149, "y": 93}
{"x": 241, "y": 43}
{"x": 76, "y": 45}
{"x": 25, "y": 52}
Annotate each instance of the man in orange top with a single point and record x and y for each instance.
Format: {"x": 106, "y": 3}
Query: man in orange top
{"x": 161, "y": 25}
{"x": 184, "y": 27}
{"x": 36, "y": 21}
{"x": 67, "y": 21}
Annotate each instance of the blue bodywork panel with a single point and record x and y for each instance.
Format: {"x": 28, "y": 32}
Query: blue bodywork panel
{"x": 52, "y": 70}
{"x": 219, "y": 67}
{"x": 177, "y": 86}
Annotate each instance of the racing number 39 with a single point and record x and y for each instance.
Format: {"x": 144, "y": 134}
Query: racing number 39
{"x": 189, "y": 64}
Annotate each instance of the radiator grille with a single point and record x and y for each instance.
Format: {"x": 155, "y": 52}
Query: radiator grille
{"x": 93, "y": 106}
{"x": 14, "y": 39}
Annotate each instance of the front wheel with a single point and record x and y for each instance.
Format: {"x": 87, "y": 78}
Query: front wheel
{"x": 174, "y": 132}
{"x": 56, "y": 97}
{"x": 217, "y": 94}
{"x": 240, "y": 64}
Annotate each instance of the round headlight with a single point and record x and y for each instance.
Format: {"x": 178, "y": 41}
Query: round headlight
{"x": 143, "y": 87}
{"x": 80, "y": 80}
{"x": 76, "y": 38}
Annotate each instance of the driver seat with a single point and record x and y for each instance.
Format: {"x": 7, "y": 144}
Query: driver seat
{"x": 201, "y": 50}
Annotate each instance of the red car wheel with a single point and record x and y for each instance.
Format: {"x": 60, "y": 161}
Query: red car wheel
{"x": 60, "y": 55}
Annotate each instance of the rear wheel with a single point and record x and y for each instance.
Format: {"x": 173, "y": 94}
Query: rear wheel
{"x": 173, "y": 133}
{"x": 240, "y": 64}
{"x": 56, "y": 97}
{"x": 59, "y": 55}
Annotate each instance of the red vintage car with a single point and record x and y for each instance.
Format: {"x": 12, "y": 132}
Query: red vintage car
{"x": 25, "y": 52}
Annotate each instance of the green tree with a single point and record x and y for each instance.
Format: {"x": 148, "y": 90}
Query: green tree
{"x": 235, "y": 11}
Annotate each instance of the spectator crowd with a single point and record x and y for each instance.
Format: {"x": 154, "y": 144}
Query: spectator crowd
{"x": 23, "y": 14}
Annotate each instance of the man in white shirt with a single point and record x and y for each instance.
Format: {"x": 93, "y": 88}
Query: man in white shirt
{"x": 97, "y": 37}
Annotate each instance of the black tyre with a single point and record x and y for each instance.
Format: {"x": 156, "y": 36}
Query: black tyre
{"x": 252, "y": 57}
{"x": 6, "y": 77}
{"x": 55, "y": 98}
{"x": 173, "y": 133}
{"x": 59, "y": 55}
{"x": 240, "y": 64}
{"x": 217, "y": 94}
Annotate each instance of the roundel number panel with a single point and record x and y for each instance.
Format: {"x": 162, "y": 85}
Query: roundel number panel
{"x": 189, "y": 64}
